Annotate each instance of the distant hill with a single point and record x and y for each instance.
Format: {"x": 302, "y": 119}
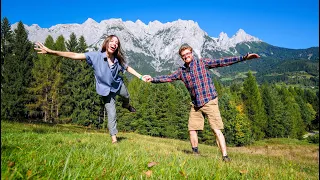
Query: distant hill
{"x": 278, "y": 64}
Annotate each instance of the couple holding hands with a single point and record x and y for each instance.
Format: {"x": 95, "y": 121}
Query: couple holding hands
{"x": 195, "y": 74}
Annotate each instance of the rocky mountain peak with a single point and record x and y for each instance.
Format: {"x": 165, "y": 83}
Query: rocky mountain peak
{"x": 242, "y": 36}
{"x": 90, "y": 21}
{"x": 158, "y": 41}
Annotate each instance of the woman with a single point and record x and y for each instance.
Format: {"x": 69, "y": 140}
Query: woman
{"x": 106, "y": 64}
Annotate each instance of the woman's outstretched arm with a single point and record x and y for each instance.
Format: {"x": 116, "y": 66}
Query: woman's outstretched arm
{"x": 42, "y": 49}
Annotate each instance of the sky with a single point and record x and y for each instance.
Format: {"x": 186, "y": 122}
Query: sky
{"x": 284, "y": 23}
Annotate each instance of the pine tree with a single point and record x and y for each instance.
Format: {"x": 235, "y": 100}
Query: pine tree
{"x": 312, "y": 98}
{"x": 218, "y": 87}
{"x": 72, "y": 43}
{"x": 291, "y": 116}
{"x": 82, "y": 45}
{"x": 41, "y": 88}
{"x": 141, "y": 96}
{"x": 273, "y": 107}
{"x": 69, "y": 73}
{"x": 308, "y": 114}
{"x": 9, "y": 89}
{"x": 17, "y": 76}
{"x": 6, "y": 40}
{"x": 88, "y": 102}
{"x": 162, "y": 110}
{"x": 57, "y": 79}
{"x": 254, "y": 107}
{"x": 80, "y": 102}
{"x": 181, "y": 109}
{"x": 237, "y": 129}
{"x": 6, "y": 56}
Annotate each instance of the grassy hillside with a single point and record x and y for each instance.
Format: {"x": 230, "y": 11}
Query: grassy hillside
{"x": 30, "y": 151}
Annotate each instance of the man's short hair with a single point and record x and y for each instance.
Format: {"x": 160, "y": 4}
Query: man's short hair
{"x": 184, "y": 47}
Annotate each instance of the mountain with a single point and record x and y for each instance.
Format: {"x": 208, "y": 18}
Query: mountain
{"x": 156, "y": 41}
{"x": 153, "y": 48}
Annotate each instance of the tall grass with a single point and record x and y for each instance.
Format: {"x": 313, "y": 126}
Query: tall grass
{"x": 30, "y": 151}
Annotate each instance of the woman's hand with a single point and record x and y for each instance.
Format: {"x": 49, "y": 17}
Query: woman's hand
{"x": 42, "y": 49}
{"x": 147, "y": 78}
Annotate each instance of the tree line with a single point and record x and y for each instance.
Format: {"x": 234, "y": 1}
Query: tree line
{"x": 53, "y": 89}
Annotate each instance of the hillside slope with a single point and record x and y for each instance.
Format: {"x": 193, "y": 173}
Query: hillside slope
{"x": 72, "y": 152}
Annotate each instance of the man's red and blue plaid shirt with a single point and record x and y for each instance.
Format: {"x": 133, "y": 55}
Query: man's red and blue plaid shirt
{"x": 197, "y": 79}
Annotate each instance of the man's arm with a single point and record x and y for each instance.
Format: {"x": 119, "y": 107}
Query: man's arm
{"x": 72, "y": 55}
{"x": 212, "y": 63}
{"x": 165, "y": 78}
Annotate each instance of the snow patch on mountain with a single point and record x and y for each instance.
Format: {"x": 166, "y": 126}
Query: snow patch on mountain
{"x": 159, "y": 40}
{"x": 225, "y": 43}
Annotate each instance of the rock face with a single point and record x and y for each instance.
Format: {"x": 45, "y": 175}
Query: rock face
{"x": 155, "y": 42}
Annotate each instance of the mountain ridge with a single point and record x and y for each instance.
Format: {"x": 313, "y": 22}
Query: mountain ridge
{"x": 156, "y": 41}
{"x": 91, "y": 29}
{"x": 153, "y": 47}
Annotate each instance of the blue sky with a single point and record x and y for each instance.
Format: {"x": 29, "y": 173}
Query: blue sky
{"x": 284, "y": 23}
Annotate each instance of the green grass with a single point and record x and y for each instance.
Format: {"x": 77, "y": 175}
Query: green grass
{"x": 35, "y": 151}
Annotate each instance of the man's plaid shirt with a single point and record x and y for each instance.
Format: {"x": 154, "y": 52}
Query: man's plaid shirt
{"x": 197, "y": 78}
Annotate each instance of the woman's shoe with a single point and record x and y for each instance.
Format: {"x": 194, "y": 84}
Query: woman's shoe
{"x": 130, "y": 108}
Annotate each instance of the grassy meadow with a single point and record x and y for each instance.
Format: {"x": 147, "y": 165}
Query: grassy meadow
{"x": 38, "y": 151}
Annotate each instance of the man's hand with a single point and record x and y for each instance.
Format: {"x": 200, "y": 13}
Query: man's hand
{"x": 251, "y": 56}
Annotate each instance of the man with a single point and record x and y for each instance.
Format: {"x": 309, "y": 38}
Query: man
{"x": 196, "y": 77}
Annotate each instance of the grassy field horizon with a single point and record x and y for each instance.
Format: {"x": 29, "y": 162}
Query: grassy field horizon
{"x": 38, "y": 151}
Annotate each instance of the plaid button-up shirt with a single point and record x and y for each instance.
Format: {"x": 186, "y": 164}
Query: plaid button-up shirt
{"x": 197, "y": 79}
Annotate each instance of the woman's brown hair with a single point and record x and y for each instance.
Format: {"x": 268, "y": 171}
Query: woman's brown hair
{"x": 118, "y": 53}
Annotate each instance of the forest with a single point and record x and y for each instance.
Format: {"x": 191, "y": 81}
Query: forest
{"x": 50, "y": 89}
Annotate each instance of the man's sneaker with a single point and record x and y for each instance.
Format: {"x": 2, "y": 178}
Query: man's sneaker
{"x": 196, "y": 153}
{"x": 130, "y": 108}
{"x": 226, "y": 159}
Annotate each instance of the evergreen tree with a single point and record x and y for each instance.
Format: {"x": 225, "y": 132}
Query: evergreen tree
{"x": 72, "y": 43}
{"x": 57, "y": 79}
{"x": 237, "y": 126}
{"x": 181, "y": 110}
{"x": 87, "y": 101}
{"x": 273, "y": 107}
{"x": 308, "y": 114}
{"x": 41, "y": 88}
{"x": 82, "y": 45}
{"x": 218, "y": 87}
{"x": 141, "y": 121}
{"x": 291, "y": 116}
{"x": 17, "y": 76}
{"x": 254, "y": 107}
{"x": 10, "y": 109}
{"x": 6, "y": 56}
{"x": 69, "y": 73}
{"x": 6, "y": 40}
{"x": 312, "y": 98}
{"x": 80, "y": 101}
{"x": 23, "y": 50}
{"x": 162, "y": 110}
